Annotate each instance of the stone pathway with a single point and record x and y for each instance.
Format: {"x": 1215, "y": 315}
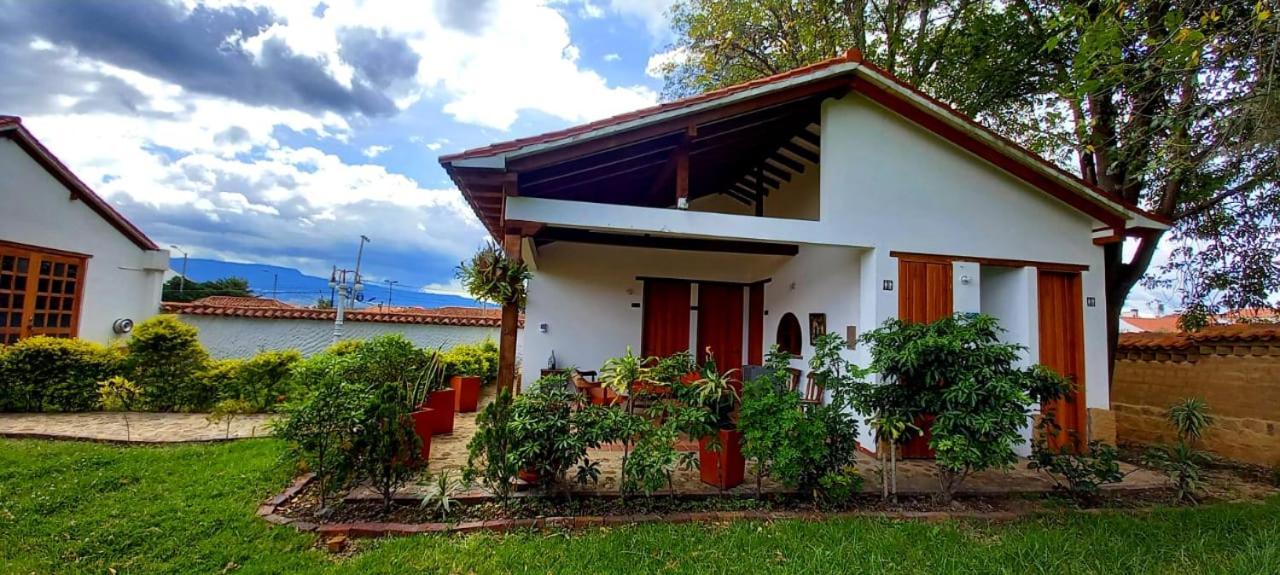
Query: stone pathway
{"x": 449, "y": 452}
{"x": 142, "y": 428}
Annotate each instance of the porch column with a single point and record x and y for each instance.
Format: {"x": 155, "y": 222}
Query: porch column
{"x": 510, "y": 323}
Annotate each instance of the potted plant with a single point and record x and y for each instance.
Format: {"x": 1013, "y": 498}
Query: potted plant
{"x": 468, "y": 365}
{"x": 720, "y": 458}
{"x": 620, "y": 374}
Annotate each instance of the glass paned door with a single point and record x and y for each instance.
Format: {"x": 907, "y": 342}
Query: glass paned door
{"x": 39, "y": 293}
{"x": 15, "y": 268}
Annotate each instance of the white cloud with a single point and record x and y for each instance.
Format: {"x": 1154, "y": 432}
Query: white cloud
{"x": 612, "y": 57}
{"x": 453, "y": 287}
{"x": 374, "y": 151}
{"x": 662, "y": 63}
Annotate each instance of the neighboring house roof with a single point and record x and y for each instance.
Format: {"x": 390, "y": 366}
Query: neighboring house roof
{"x": 453, "y": 316}
{"x": 1168, "y": 323}
{"x": 862, "y": 76}
{"x": 11, "y": 127}
{"x": 1214, "y": 334}
{"x": 243, "y": 301}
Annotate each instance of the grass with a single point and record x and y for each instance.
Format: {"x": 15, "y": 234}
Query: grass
{"x": 87, "y": 508}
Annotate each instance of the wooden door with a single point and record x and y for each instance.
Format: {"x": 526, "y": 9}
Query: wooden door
{"x": 924, "y": 295}
{"x": 720, "y": 325}
{"x": 1062, "y": 350}
{"x": 40, "y": 293}
{"x": 665, "y": 330}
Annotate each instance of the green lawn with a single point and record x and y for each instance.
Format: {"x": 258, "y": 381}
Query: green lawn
{"x": 74, "y": 507}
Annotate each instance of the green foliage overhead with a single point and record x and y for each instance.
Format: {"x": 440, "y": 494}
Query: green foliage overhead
{"x": 175, "y": 291}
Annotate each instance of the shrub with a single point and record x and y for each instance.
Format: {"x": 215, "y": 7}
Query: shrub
{"x": 344, "y": 347}
{"x": 54, "y": 374}
{"x": 388, "y": 449}
{"x": 1181, "y": 461}
{"x": 957, "y": 369}
{"x": 321, "y": 428}
{"x": 771, "y": 421}
{"x": 542, "y": 430}
{"x": 262, "y": 381}
{"x": 1081, "y": 476}
{"x": 226, "y": 411}
{"x": 490, "y": 454}
{"x": 119, "y": 394}
{"x": 168, "y": 364}
{"x": 475, "y": 359}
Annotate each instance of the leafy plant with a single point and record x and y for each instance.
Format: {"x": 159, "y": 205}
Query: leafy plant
{"x": 168, "y": 363}
{"x": 492, "y": 276}
{"x": 654, "y": 459}
{"x": 45, "y": 373}
{"x": 957, "y": 369}
{"x": 1080, "y": 475}
{"x": 262, "y": 381}
{"x": 388, "y": 448}
{"x": 543, "y": 435}
{"x": 473, "y": 359}
{"x": 1181, "y": 462}
{"x": 321, "y": 428}
{"x": 890, "y": 430}
{"x": 119, "y": 394}
{"x": 226, "y": 411}
{"x": 619, "y": 373}
{"x": 769, "y": 418}
{"x": 491, "y": 450}
{"x": 440, "y": 499}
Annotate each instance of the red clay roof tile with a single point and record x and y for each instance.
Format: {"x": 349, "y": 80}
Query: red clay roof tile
{"x": 454, "y": 316}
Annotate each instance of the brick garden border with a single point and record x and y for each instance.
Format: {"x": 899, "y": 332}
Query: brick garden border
{"x": 335, "y": 535}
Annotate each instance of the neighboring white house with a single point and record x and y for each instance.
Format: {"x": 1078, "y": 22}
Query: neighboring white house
{"x": 70, "y": 264}
{"x": 244, "y": 326}
{"x": 829, "y": 197}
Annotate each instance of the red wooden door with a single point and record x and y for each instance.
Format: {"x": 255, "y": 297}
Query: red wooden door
{"x": 1062, "y": 350}
{"x": 665, "y": 330}
{"x": 924, "y": 295}
{"x": 720, "y": 325}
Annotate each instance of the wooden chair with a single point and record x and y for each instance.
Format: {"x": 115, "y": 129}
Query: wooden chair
{"x": 813, "y": 393}
{"x": 793, "y": 380}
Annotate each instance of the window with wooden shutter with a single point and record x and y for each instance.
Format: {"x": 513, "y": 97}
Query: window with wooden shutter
{"x": 40, "y": 292}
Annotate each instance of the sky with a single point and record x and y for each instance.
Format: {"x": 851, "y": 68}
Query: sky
{"x": 279, "y": 132}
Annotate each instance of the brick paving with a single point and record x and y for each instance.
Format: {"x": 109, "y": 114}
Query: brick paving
{"x": 143, "y": 427}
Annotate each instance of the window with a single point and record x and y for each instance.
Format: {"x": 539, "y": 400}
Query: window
{"x": 789, "y": 334}
{"x": 39, "y": 292}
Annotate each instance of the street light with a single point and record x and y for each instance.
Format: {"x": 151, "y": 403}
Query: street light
{"x": 275, "y": 281}
{"x": 182, "y": 283}
{"x": 390, "y": 284}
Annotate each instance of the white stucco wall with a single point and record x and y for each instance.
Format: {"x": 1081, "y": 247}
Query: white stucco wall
{"x": 885, "y": 185}
{"x": 1010, "y": 295}
{"x": 122, "y": 280}
{"x": 226, "y": 337}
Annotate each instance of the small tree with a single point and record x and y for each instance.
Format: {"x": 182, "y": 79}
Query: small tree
{"x": 769, "y": 412}
{"x": 388, "y": 447}
{"x": 119, "y": 394}
{"x": 491, "y": 450}
{"x": 1181, "y": 461}
{"x": 958, "y": 369}
{"x": 226, "y": 412}
{"x": 321, "y": 428}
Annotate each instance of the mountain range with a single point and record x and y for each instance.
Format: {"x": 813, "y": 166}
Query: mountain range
{"x": 292, "y": 286}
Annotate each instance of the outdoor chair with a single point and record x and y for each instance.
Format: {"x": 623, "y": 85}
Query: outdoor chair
{"x": 813, "y": 393}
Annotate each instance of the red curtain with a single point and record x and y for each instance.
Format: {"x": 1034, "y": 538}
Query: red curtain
{"x": 666, "y": 318}
{"x": 720, "y": 324}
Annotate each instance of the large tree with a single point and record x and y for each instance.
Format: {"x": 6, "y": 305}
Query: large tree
{"x": 1170, "y": 105}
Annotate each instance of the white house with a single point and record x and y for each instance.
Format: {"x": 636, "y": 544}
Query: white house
{"x": 70, "y": 264}
{"x": 832, "y": 196}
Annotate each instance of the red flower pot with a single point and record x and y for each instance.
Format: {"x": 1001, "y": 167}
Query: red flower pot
{"x": 467, "y": 391}
{"x": 723, "y": 468}
{"x": 690, "y": 378}
{"x": 529, "y": 476}
{"x": 423, "y": 423}
{"x": 442, "y": 407}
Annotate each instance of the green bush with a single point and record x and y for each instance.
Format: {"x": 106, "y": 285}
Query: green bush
{"x": 344, "y": 347}
{"x": 168, "y": 364}
{"x": 262, "y": 381}
{"x": 321, "y": 428}
{"x": 53, "y": 374}
{"x": 477, "y": 359}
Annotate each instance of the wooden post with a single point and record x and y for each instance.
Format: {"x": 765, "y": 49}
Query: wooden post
{"x": 510, "y": 324}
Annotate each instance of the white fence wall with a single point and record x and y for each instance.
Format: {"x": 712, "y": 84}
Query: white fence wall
{"x": 227, "y": 337}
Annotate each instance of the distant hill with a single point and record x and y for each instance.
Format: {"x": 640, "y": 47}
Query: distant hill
{"x": 297, "y": 288}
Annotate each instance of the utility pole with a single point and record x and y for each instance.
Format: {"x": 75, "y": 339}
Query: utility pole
{"x": 182, "y": 281}
{"x": 360, "y": 254}
{"x": 338, "y": 280}
{"x": 390, "y": 284}
{"x": 275, "y": 282}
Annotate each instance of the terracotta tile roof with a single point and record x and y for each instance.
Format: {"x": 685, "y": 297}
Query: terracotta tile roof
{"x": 1168, "y": 323}
{"x": 239, "y": 301}
{"x": 1215, "y": 334}
{"x": 11, "y": 127}
{"x": 455, "y": 316}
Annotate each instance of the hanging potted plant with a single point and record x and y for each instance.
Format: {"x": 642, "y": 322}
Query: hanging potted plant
{"x": 720, "y": 460}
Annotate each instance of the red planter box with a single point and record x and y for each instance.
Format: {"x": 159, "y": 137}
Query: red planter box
{"x": 442, "y": 408}
{"x": 467, "y": 391}
{"x": 723, "y": 468}
{"x": 423, "y": 423}
{"x": 529, "y": 476}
